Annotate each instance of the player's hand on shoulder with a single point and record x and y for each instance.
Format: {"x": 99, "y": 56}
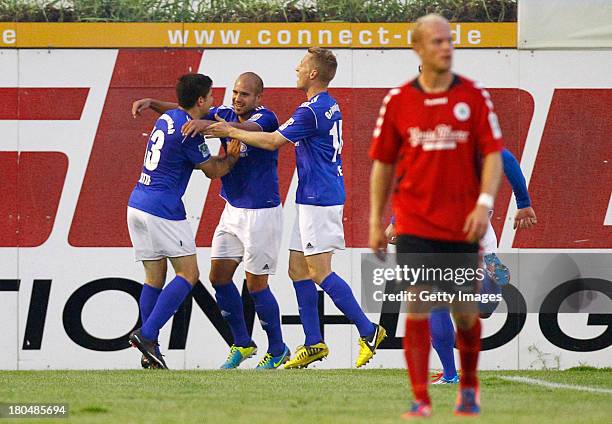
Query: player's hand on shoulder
{"x": 140, "y": 105}
{"x": 525, "y": 218}
{"x": 476, "y": 224}
{"x": 220, "y": 129}
{"x": 233, "y": 148}
{"x": 194, "y": 127}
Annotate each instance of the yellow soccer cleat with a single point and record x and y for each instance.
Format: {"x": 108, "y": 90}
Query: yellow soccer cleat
{"x": 367, "y": 348}
{"x": 237, "y": 355}
{"x": 306, "y": 355}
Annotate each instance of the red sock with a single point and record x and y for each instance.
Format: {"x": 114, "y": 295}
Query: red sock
{"x": 416, "y": 350}
{"x": 468, "y": 342}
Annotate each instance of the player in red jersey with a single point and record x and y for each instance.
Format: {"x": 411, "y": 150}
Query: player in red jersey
{"x": 439, "y": 138}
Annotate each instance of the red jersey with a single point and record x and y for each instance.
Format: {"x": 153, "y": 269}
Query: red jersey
{"x": 437, "y": 141}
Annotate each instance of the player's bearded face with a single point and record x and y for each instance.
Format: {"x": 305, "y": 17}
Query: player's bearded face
{"x": 244, "y": 97}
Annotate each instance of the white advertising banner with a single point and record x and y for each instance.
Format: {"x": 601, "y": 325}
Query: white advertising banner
{"x": 563, "y": 24}
{"x": 71, "y": 153}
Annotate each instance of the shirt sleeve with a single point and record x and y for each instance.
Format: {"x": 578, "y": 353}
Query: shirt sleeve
{"x": 486, "y": 124}
{"x": 301, "y": 125}
{"x": 515, "y": 176}
{"x": 386, "y": 141}
{"x": 266, "y": 120}
{"x": 196, "y": 150}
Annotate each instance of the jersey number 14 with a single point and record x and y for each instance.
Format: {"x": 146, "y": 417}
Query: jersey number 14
{"x": 336, "y": 134}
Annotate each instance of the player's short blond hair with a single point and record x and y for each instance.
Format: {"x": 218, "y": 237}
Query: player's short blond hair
{"x": 324, "y": 62}
{"x": 417, "y": 32}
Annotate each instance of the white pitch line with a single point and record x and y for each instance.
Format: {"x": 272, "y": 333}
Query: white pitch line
{"x": 544, "y": 383}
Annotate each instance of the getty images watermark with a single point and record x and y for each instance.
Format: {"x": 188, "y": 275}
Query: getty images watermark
{"x": 434, "y": 284}
{"x": 534, "y": 282}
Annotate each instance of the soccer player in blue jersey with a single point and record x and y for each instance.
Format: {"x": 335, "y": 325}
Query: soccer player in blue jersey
{"x": 250, "y": 228}
{"x": 156, "y": 215}
{"x": 441, "y": 326}
{"x": 315, "y": 129}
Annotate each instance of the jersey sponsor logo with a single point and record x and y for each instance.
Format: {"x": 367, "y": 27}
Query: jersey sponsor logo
{"x": 443, "y": 137}
{"x": 462, "y": 111}
{"x": 436, "y": 102}
{"x": 289, "y": 121}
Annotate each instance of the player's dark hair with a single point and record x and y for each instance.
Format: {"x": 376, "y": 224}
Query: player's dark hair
{"x": 190, "y": 87}
{"x": 325, "y": 62}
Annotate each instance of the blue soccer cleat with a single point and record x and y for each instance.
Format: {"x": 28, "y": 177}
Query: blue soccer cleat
{"x": 237, "y": 355}
{"x": 440, "y": 379}
{"x": 417, "y": 410}
{"x": 270, "y": 362}
{"x": 497, "y": 271}
{"x": 468, "y": 402}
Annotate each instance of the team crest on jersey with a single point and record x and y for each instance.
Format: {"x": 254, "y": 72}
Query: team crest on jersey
{"x": 461, "y": 111}
{"x": 243, "y": 150}
{"x": 203, "y": 148}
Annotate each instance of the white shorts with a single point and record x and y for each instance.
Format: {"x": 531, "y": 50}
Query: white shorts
{"x": 157, "y": 238}
{"x": 317, "y": 229}
{"x": 488, "y": 243}
{"x": 249, "y": 235}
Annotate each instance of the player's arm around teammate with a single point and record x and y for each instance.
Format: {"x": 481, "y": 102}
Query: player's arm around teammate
{"x": 262, "y": 140}
{"x": 192, "y": 127}
{"x": 218, "y": 166}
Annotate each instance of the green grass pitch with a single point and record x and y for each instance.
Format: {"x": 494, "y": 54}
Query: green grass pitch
{"x": 298, "y": 396}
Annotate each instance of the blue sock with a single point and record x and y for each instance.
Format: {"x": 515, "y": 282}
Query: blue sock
{"x": 169, "y": 300}
{"x": 230, "y": 303}
{"x": 148, "y": 298}
{"x": 343, "y": 298}
{"x": 308, "y": 305}
{"x": 269, "y": 317}
{"x": 443, "y": 340}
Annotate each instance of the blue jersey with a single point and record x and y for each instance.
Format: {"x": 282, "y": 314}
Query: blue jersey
{"x": 169, "y": 161}
{"x": 253, "y": 181}
{"x": 316, "y": 131}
